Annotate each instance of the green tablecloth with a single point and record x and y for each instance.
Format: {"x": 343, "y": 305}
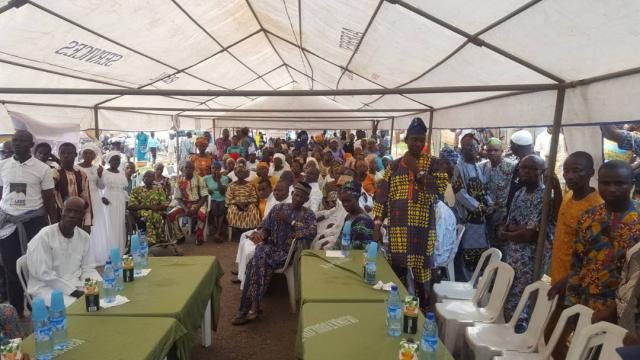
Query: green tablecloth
{"x": 118, "y": 338}
{"x": 351, "y": 331}
{"x": 177, "y": 287}
{"x": 339, "y": 280}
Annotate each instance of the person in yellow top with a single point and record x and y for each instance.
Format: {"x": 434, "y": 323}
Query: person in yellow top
{"x": 262, "y": 170}
{"x": 577, "y": 171}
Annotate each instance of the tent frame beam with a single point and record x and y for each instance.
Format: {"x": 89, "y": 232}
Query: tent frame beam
{"x": 551, "y": 167}
{"x": 257, "y": 93}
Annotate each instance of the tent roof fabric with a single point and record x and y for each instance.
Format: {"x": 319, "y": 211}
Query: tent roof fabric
{"x": 275, "y": 45}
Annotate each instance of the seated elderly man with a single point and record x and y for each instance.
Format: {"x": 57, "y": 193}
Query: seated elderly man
{"x": 58, "y": 256}
{"x": 191, "y": 194}
{"x": 284, "y": 223}
{"x": 246, "y": 247}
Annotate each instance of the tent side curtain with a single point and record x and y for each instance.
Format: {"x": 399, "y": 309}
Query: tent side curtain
{"x": 614, "y": 100}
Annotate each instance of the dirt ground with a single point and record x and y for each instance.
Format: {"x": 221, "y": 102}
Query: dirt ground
{"x": 272, "y": 336}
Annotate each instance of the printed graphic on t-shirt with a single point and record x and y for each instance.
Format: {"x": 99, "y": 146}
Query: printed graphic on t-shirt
{"x": 17, "y": 194}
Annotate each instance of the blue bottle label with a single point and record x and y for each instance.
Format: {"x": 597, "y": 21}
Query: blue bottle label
{"x": 58, "y": 323}
{"x": 43, "y": 333}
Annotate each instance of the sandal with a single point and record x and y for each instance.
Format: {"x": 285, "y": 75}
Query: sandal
{"x": 240, "y": 319}
{"x": 252, "y": 315}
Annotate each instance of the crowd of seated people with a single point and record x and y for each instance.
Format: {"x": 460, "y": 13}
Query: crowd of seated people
{"x": 277, "y": 192}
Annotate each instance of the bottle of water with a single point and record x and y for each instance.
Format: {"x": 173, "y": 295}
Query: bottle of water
{"x": 429, "y": 339}
{"x": 116, "y": 261}
{"x": 345, "y": 241}
{"x": 109, "y": 283}
{"x": 58, "y": 320}
{"x": 41, "y": 330}
{"x": 144, "y": 250}
{"x": 135, "y": 254}
{"x": 370, "y": 266}
{"x": 394, "y": 313}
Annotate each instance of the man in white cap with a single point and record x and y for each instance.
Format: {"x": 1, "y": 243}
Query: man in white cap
{"x": 521, "y": 145}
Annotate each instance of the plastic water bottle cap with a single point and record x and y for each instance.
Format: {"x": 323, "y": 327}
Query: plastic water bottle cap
{"x": 135, "y": 242}
{"x": 116, "y": 258}
{"x": 39, "y": 310}
{"x": 57, "y": 300}
{"x": 108, "y": 262}
{"x": 394, "y": 288}
{"x": 431, "y": 316}
{"x": 372, "y": 250}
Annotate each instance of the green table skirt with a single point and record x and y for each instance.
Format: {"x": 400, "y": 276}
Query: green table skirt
{"x": 177, "y": 287}
{"x": 351, "y": 331}
{"x": 338, "y": 280}
{"x": 118, "y": 338}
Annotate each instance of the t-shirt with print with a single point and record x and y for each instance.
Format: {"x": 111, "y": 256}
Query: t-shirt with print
{"x": 22, "y": 185}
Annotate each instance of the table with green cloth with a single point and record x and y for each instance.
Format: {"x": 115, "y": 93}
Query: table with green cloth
{"x": 182, "y": 288}
{"x": 118, "y": 338}
{"x": 352, "y": 331}
{"x": 326, "y": 279}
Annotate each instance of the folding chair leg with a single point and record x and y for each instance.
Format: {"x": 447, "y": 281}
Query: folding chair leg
{"x": 291, "y": 285}
{"x": 230, "y": 232}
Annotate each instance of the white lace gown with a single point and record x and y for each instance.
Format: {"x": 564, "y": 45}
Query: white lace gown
{"x": 98, "y": 247}
{"x": 115, "y": 186}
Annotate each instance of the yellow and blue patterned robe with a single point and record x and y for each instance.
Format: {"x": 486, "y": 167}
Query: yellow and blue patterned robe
{"x": 412, "y": 230}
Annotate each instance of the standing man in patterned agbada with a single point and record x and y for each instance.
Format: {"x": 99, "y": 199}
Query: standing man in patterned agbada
{"x": 70, "y": 181}
{"x": 406, "y": 196}
{"x": 499, "y": 175}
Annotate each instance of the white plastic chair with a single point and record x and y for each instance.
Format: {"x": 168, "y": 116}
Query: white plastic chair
{"x": 455, "y": 315}
{"x": 288, "y": 270}
{"x": 23, "y": 275}
{"x": 451, "y": 274}
{"x": 465, "y": 290}
{"x": 584, "y": 319}
{"x": 605, "y": 335}
{"x": 487, "y": 340}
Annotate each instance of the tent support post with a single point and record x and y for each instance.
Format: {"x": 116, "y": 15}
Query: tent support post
{"x": 430, "y": 131}
{"x": 546, "y": 206}
{"x": 96, "y": 122}
{"x": 213, "y": 128}
{"x": 391, "y": 137}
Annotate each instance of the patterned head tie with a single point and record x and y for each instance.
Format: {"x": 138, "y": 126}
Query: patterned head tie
{"x": 262, "y": 164}
{"x": 201, "y": 140}
{"x": 447, "y": 153}
{"x": 352, "y": 187}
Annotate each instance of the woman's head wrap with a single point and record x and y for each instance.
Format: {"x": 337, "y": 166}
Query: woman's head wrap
{"x": 201, "y": 140}
{"x": 352, "y": 187}
{"x": 447, "y": 153}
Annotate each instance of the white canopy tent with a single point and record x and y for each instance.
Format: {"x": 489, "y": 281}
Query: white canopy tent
{"x": 142, "y": 65}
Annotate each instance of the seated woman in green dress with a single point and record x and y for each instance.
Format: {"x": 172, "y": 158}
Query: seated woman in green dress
{"x": 361, "y": 222}
{"x": 149, "y": 204}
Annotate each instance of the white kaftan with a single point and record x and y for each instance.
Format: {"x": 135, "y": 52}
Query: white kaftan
{"x": 115, "y": 190}
{"x": 99, "y": 246}
{"x": 57, "y": 262}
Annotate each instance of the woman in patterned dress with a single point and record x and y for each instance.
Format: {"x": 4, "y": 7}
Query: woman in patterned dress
{"x": 161, "y": 181}
{"x": 202, "y": 160}
{"x": 242, "y": 202}
{"x": 361, "y": 222}
{"x": 149, "y": 204}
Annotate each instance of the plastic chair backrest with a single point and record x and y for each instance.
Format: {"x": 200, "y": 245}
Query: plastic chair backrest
{"x": 23, "y": 274}
{"x": 588, "y": 339}
{"x": 493, "y": 255}
{"x": 584, "y": 319}
{"x": 503, "y": 274}
{"x": 540, "y": 312}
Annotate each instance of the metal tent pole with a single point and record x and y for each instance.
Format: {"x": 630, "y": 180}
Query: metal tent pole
{"x": 430, "y": 131}
{"x": 391, "y": 137}
{"x": 546, "y": 206}
{"x": 96, "y": 122}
